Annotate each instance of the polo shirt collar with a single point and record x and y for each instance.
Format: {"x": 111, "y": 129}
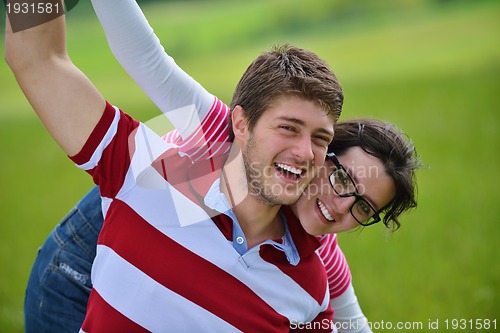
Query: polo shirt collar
{"x": 306, "y": 244}
{"x": 205, "y": 181}
{"x": 217, "y": 201}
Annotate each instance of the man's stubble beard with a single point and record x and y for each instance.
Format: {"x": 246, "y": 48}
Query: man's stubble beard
{"x": 256, "y": 179}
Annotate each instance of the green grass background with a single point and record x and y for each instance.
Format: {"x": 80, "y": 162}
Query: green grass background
{"x": 431, "y": 67}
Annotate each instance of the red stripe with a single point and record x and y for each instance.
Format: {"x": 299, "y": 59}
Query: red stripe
{"x": 301, "y": 273}
{"x": 96, "y": 136}
{"x": 187, "y": 274}
{"x": 309, "y": 261}
{"x": 116, "y": 153}
{"x": 115, "y": 161}
{"x": 101, "y": 317}
{"x": 321, "y": 324}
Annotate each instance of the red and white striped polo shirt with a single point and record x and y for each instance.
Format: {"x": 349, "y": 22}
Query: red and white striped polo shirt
{"x": 216, "y": 119}
{"x": 337, "y": 269}
{"x": 162, "y": 263}
{"x": 334, "y": 260}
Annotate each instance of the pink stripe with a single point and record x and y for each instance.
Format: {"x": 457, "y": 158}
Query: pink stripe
{"x": 337, "y": 268}
{"x": 213, "y": 129}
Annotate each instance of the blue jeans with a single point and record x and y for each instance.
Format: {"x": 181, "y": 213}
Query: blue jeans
{"x": 59, "y": 284}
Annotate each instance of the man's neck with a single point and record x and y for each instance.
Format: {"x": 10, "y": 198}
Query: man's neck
{"x": 259, "y": 221}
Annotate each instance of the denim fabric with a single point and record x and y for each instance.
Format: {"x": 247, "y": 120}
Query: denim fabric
{"x": 59, "y": 284}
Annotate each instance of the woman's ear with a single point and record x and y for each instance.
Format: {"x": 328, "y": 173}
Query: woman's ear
{"x": 239, "y": 123}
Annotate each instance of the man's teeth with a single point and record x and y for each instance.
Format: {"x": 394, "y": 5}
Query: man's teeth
{"x": 324, "y": 211}
{"x": 289, "y": 168}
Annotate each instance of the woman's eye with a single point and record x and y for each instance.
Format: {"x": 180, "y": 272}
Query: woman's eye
{"x": 343, "y": 179}
{"x": 364, "y": 208}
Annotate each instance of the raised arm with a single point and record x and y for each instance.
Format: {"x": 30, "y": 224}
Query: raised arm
{"x": 67, "y": 103}
{"x": 137, "y": 48}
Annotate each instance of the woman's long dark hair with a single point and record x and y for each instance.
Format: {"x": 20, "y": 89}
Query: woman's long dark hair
{"x": 396, "y": 152}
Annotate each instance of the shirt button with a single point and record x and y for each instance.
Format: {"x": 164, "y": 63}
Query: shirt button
{"x": 240, "y": 240}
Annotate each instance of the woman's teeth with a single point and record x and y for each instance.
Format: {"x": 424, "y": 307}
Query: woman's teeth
{"x": 324, "y": 211}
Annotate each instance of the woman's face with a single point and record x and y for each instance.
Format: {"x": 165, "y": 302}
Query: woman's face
{"x": 321, "y": 211}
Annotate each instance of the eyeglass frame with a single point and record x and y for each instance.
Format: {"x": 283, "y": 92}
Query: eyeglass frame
{"x": 333, "y": 157}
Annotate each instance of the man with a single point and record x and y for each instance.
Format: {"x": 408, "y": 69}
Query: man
{"x": 159, "y": 248}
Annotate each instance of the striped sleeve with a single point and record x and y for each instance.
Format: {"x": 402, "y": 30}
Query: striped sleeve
{"x": 209, "y": 139}
{"x": 337, "y": 268}
{"x": 106, "y": 154}
{"x": 200, "y": 118}
{"x": 172, "y": 137}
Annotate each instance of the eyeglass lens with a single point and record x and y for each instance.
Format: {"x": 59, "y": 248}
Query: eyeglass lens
{"x": 344, "y": 186}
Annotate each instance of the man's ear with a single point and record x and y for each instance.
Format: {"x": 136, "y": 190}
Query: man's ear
{"x": 239, "y": 122}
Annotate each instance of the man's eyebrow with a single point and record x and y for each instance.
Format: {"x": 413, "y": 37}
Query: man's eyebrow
{"x": 293, "y": 120}
{"x": 302, "y": 124}
{"x": 325, "y": 131}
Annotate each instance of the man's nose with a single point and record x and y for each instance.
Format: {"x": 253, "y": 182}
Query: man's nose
{"x": 303, "y": 149}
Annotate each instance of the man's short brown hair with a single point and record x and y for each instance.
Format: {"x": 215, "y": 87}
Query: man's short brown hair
{"x": 286, "y": 70}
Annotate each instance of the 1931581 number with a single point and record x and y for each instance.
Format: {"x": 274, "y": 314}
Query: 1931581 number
{"x": 471, "y": 324}
{"x": 32, "y": 8}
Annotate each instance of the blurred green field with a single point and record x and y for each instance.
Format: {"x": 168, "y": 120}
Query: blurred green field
{"x": 433, "y": 69}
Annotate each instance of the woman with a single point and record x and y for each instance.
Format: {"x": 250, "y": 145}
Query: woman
{"x": 336, "y": 201}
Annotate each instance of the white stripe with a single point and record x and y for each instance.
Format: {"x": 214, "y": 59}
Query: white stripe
{"x": 110, "y": 134}
{"x": 105, "y": 203}
{"x": 334, "y": 269}
{"x": 167, "y": 210}
{"x": 206, "y": 152}
{"x": 204, "y": 238}
{"x": 199, "y": 129}
{"x": 148, "y": 303}
{"x": 216, "y": 126}
{"x": 185, "y": 119}
{"x": 148, "y": 147}
{"x": 171, "y": 137}
{"x": 335, "y": 263}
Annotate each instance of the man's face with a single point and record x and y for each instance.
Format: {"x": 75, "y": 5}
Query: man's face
{"x": 285, "y": 149}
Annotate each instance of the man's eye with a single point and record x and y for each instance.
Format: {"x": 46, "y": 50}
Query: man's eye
{"x": 324, "y": 139}
{"x": 287, "y": 128}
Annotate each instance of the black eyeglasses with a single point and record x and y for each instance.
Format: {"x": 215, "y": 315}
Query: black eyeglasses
{"x": 343, "y": 184}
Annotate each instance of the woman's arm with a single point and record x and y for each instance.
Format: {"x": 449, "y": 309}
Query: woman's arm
{"x": 135, "y": 45}
{"x": 348, "y": 316}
